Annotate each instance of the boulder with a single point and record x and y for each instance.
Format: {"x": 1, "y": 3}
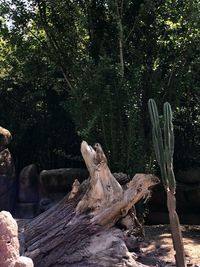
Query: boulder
{"x": 28, "y": 184}
{"x": 187, "y": 202}
{"x": 5, "y": 138}
{"x": 56, "y": 183}
{"x": 26, "y": 210}
{"x": 9, "y": 243}
{"x": 190, "y": 176}
{"x": 8, "y": 181}
{"x": 6, "y": 163}
{"x": 24, "y": 262}
{"x": 193, "y": 197}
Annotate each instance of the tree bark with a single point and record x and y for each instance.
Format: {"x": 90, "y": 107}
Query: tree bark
{"x": 81, "y": 229}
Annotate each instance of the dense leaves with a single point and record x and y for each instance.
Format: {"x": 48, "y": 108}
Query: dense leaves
{"x": 86, "y": 69}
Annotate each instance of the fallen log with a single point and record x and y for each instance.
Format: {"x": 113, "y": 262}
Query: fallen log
{"x": 81, "y": 229}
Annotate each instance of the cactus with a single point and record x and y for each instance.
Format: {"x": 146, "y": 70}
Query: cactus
{"x": 169, "y": 146}
{"x": 164, "y": 150}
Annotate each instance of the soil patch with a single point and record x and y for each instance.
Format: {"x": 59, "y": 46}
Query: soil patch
{"x": 158, "y": 246}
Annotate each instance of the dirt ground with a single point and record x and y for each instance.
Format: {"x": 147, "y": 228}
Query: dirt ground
{"x": 157, "y": 249}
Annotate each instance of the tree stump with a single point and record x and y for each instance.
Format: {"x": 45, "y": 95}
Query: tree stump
{"x": 81, "y": 229}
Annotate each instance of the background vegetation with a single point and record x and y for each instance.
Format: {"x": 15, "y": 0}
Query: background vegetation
{"x": 73, "y": 70}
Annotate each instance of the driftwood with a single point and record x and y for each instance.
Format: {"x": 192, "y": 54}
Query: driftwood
{"x": 81, "y": 229}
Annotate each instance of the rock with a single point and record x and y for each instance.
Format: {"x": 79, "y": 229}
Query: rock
{"x": 158, "y": 217}
{"x": 193, "y": 197}
{"x": 24, "y": 262}
{"x": 190, "y": 176}
{"x": 28, "y": 184}
{"x": 5, "y": 138}
{"x": 8, "y": 181}
{"x": 9, "y": 243}
{"x": 192, "y": 218}
{"x": 187, "y": 204}
{"x": 55, "y": 183}
{"x": 26, "y": 210}
{"x": 158, "y": 199}
{"x": 28, "y": 193}
{"x": 6, "y": 163}
{"x": 8, "y": 192}
{"x": 121, "y": 177}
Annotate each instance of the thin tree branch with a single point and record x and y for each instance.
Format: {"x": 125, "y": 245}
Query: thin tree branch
{"x": 119, "y": 21}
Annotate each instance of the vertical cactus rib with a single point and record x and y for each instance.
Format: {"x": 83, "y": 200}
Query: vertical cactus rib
{"x": 158, "y": 140}
{"x": 169, "y": 145}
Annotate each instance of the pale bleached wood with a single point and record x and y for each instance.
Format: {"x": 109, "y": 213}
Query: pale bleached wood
{"x": 80, "y": 230}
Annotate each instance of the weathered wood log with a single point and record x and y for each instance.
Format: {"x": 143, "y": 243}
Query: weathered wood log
{"x": 80, "y": 230}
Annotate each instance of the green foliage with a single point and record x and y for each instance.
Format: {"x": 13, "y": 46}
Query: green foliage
{"x": 164, "y": 149}
{"x": 94, "y": 65}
